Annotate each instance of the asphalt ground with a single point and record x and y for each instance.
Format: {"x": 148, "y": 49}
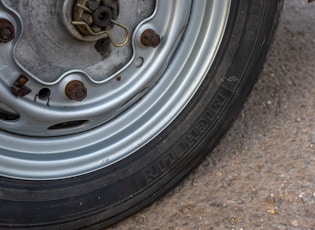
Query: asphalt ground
{"x": 262, "y": 173}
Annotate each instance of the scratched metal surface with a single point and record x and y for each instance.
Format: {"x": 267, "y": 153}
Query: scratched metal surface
{"x": 262, "y": 174}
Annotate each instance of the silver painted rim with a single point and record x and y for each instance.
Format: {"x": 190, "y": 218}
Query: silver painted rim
{"x": 154, "y": 86}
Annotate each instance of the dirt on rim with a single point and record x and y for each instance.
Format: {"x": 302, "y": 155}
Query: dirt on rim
{"x": 262, "y": 174}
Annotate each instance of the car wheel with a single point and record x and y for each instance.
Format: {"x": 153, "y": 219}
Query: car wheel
{"x": 106, "y": 105}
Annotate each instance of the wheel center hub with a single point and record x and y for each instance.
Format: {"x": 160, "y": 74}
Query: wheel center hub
{"x": 92, "y": 20}
{"x": 92, "y": 17}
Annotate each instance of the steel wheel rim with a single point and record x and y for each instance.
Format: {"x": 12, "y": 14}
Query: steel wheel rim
{"x": 69, "y": 155}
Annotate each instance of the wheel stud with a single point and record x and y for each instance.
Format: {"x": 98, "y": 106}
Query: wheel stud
{"x": 150, "y": 38}
{"x": 75, "y": 90}
{"x": 6, "y": 31}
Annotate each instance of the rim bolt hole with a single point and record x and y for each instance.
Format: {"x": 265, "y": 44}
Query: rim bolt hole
{"x": 139, "y": 62}
{"x": 44, "y": 94}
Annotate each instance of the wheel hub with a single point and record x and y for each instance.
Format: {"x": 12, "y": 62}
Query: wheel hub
{"x": 96, "y": 15}
{"x": 95, "y": 18}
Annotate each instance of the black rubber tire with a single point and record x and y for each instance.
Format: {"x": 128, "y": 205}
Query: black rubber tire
{"x": 104, "y": 197}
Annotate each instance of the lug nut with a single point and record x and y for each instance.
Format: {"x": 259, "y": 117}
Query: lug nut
{"x": 102, "y": 17}
{"x": 6, "y": 31}
{"x": 150, "y": 38}
{"x": 75, "y": 90}
{"x": 21, "y": 81}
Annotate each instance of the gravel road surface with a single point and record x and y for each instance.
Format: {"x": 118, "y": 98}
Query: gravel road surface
{"x": 262, "y": 173}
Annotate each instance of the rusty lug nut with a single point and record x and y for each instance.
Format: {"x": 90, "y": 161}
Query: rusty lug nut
{"x": 6, "y": 30}
{"x": 21, "y": 81}
{"x": 150, "y": 38}
{"x": 75, "y": 90}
